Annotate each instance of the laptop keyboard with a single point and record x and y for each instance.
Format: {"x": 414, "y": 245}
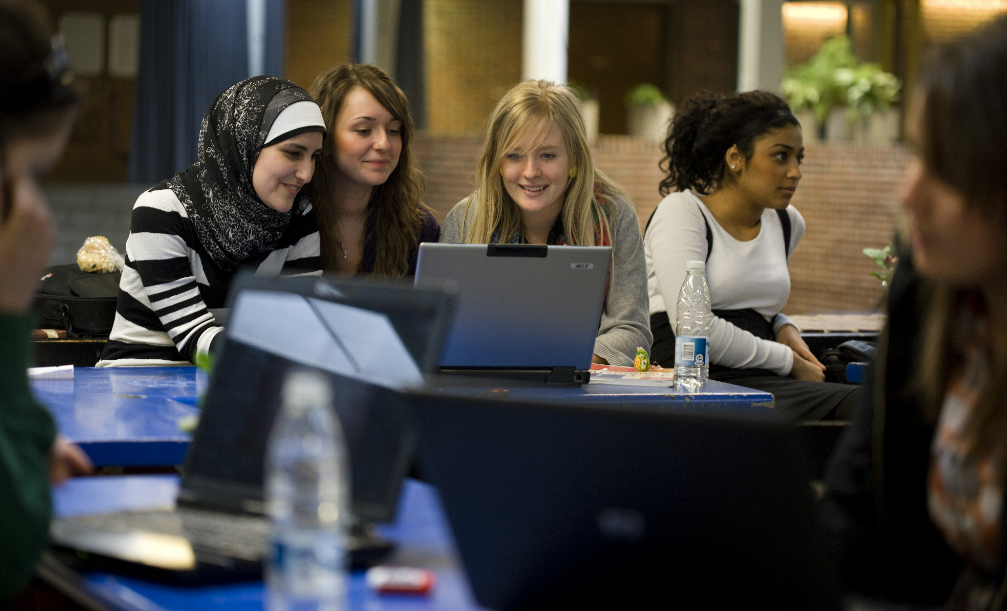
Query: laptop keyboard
{"x": 228, "y": 535}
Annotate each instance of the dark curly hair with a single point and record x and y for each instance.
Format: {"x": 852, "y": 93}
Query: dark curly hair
{"x": 708, "y": 124}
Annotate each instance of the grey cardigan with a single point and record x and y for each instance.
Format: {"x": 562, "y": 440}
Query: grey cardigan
{"x": 625, "y": 323}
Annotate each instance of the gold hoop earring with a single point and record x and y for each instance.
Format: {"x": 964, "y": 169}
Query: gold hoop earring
{"x": 573, "y": 172}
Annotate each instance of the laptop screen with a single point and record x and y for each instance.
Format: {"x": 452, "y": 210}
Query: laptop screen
{"x": 368, "y": 338}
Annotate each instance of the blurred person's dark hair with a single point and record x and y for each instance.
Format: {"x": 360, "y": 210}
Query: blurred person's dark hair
{"x": 962, "y": 140}
{"x": 36, "y": 83}
{"x": 963, "y": 123}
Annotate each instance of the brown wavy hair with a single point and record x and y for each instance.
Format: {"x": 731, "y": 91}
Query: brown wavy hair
{"x": 396, "y": 205}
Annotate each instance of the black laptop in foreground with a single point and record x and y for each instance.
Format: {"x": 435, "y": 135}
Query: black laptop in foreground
{"x": 580, "y": 507}
{"x": 371, "y": 339}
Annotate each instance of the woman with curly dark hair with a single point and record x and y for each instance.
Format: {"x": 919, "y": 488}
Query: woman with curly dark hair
{"x": 733, "y": 163}
{"x": 367, "y": 191}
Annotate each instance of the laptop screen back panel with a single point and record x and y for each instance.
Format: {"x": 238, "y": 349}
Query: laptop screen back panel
{"x": 225, "y": 463}
{"x": 559, "y": 506}
{"x": 519, "y": 311}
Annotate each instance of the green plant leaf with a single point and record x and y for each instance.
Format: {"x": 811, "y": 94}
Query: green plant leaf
{"x": 644, "y": 94}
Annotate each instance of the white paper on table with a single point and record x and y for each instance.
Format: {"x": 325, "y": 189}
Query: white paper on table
{"x": 51, "y": 374}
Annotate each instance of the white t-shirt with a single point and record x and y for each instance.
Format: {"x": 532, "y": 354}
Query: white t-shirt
{"x": 750, "y": 274}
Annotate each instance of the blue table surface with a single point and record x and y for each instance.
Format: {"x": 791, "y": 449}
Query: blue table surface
{"x": 125, "y": 416}
{"x": 423, "y": 538}
{"x": 129, "y": 416}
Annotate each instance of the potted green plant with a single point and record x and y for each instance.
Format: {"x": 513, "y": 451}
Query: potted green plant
{"x": 813, "y": 85}
{"x": 843, "y": 93}
{"x": 871, "y": 94}
{"x": 648, "y": 112}
{"x": 803, "y": 95}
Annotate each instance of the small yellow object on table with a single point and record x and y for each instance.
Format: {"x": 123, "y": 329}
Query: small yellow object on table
{"x": 642, "y": 360}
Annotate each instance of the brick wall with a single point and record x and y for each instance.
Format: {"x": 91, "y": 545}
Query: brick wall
{"x": 849, "y": 200}
{"x": 848, "y": 197}
{"x": 472, "y": 57}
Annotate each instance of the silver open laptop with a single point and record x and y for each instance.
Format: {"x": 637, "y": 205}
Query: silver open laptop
{"x": 523, "y": 311}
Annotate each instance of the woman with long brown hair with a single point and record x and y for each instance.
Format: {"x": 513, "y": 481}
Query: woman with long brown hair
{"x": 367, "y": 192}
{"x": 915, "y": 491}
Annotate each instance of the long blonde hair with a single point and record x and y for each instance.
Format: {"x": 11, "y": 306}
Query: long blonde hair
{"x": 529, "y": 106}
{"x": 396, "y": 205}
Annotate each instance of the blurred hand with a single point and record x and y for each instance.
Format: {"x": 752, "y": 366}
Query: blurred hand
{"x": 788, "y": 335}
{"x": 67, "y": 459}
{"x": 599, "y": 360}
{"x": 25, "y": 240}
{"x": 804, "y": 369}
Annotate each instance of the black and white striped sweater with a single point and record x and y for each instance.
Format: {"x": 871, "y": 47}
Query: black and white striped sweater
{"x": 169, "y": 283}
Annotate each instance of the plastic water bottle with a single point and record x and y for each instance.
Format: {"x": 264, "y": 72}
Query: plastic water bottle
{"x": 692, "y": 328}
{"x": 307, "y": 487}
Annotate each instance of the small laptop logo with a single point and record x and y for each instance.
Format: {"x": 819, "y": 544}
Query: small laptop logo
{"x": 582, "y": 266}
{"x": 621, "y": 524}
{"x": 325, "y": 289}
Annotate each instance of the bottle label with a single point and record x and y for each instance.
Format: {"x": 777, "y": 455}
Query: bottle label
{"x": 691, "y": 351}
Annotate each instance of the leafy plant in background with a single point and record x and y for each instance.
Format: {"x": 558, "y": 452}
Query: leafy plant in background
{"x": 812, "y": 85}
{"x": 868, "y": 89}
{"x": 885, "y": 259}
{"x": 644, "y": 94}
{"x": 834, "y": 77}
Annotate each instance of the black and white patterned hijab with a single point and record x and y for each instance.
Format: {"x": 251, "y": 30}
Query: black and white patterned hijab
{"x": 231, "y": 222}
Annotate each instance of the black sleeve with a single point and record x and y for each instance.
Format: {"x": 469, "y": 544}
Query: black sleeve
{"x": 874, "y": 510}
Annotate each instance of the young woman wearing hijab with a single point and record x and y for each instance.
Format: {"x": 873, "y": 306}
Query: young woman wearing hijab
{"x": 367, "y": 190}
{"x": 243, "y": 203}
{"x": 37, "y": 108}
{"x": 536, "y": 184}
{"x": 734, "y": 162}
{"x": 914, "y": 498}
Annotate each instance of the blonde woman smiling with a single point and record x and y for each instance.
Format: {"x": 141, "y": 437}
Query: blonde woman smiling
{"x": 536, "y": 184}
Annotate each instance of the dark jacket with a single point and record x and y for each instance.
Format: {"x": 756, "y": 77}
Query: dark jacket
{"x": 26, "y": 434}
{"x": 875, "y": 505}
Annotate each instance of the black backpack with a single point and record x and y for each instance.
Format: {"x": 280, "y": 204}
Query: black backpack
{"x": 81, "y": 303}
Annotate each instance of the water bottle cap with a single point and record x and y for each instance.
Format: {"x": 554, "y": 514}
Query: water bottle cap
{"x": 695, "y": 266}
{"x": 303, "y": 387}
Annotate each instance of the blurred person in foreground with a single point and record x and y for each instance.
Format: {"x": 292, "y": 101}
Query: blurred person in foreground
{"x": 914, "y": 503}
{"x": 37, "y": 108}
